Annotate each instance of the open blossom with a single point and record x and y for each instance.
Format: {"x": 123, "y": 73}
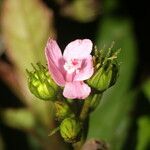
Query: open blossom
{"x": 72, "y": 68}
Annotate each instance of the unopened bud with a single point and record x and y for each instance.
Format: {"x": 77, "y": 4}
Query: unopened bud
{"x": 62, "y": 110}
{"x": 106, "y": 68}
{"x": 70, "y": 130}
{"x": 41, "y": 84}
{"x": 103, "y": 78}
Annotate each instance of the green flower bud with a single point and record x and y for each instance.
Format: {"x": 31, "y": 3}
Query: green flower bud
{"x": 103, "y": 78}
{"x": 62, "y": 110}
{"x": 41, "y": 84}
{"x": 70, "y": 130}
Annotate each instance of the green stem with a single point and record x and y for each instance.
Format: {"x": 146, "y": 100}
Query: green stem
{"x": 85, "y": 109}
{"x": 89, "y": 105}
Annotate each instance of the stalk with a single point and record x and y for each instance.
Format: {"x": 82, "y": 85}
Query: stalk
{"x": 89, "y": 105}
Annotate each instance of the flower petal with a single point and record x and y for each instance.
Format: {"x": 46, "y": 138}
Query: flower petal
{"x": 78, "y": 49}
{"x": 86, "y": 70}
{"x": 76, "y": 90}
{"x": 53, "y": 51}
{"x": 54, "y": 56}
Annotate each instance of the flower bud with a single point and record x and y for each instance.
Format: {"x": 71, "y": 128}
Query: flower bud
{"x": 41, "y": 84}
{"x": 62, "y": 110}
{"x": 106, "y": 68}
{"x": 70, "y": 130}
{"x": 103, "y": 78}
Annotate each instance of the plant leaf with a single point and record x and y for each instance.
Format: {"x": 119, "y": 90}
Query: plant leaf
{"x": 26, "y": 26}
{"x": 110, "y": 121}
{"x": 18, "y": 118}
{"x": 143, "y": 133}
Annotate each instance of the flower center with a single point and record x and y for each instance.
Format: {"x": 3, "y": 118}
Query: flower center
{"x": 73, "y": 65}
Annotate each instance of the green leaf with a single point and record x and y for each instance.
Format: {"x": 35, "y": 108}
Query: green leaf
{"x": 26, "y": 26}
{"x": 110, "y": 121}
{"x": 18, "y": 118}
{"x": 146, "y": 88}
{"x": 143, "y": 133}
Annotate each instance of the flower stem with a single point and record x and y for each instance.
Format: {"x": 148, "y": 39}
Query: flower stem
{"x": 89, "y": 105}
{"x": 85, "y": 109}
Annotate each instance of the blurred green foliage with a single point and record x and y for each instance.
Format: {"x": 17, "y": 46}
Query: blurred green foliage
{"x": 25, "y": 31}
{"x": 143, "y": 138}
{"x": 82, "y": 10}
{"x": 146, "y": 88}
{"x": 19, "y": 118}
{"x": 111, "y": 120}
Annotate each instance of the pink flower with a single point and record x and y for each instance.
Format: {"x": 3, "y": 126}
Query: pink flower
{"x": 72, "y": 68}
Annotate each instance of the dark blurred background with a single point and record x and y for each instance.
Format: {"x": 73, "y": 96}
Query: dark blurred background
{"x": 69, "y": 29}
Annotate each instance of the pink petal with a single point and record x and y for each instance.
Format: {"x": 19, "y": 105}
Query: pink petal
{"x": 69, "y": 77}
{"x": 53, "y": 51}
{"x": 54, "y": 56}
{"x": 55, "y": 73}
{"x": 78, "y": 49}
{"x": 76, "y": 90}
{"x": 86, "y": 70}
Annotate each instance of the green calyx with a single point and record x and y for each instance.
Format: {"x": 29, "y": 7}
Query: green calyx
{"x": 41, "y": 84}
{"x": 106, "y": 69}
{"x": 103, "y": 79}
{"x": 62, "y": 110}
{"x": 70, "y": 130}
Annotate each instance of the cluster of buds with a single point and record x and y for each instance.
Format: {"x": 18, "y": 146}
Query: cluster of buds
{"x": 70, "y": 123}
{"x": 43, "y": 87}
